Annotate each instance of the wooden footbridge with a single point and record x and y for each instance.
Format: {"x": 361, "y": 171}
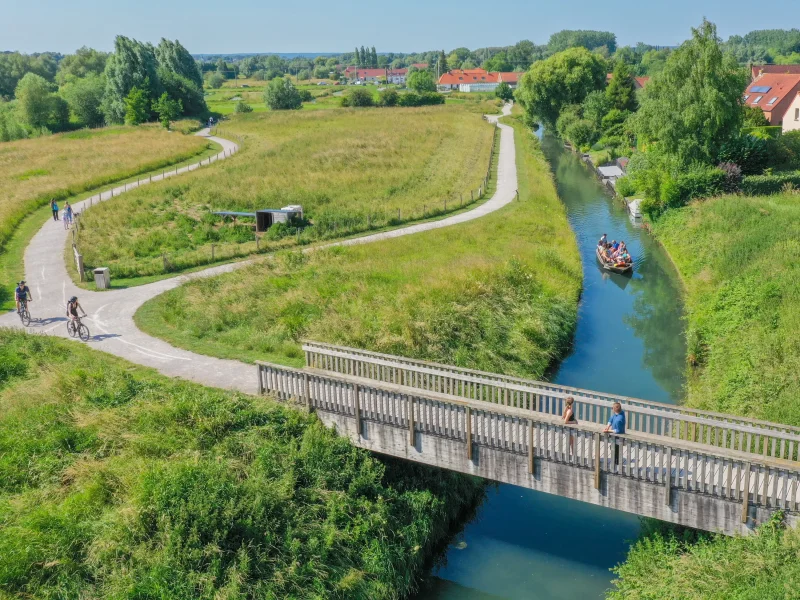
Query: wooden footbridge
{"x": 702, "y": 469}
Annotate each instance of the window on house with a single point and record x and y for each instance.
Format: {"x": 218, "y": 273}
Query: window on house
{"x": 773, "y": 100}
{"x": 746, "y": 96}
{"x": 757, "y": 99}
{"x": 797, "y": 114}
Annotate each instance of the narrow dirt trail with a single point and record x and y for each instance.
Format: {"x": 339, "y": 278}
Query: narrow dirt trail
{"x": 111, "y": 313}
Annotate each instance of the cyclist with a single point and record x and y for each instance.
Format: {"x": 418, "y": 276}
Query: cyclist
{"x": 22, "y": 295}
{"x": 72, "y": 309}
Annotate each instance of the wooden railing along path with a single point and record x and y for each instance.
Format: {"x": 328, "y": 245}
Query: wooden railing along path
{"x": 750, "y": 436}
{"x": 678, "y": 465}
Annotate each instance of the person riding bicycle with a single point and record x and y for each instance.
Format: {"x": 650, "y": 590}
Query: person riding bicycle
{"x": 72, "y": 309}
{"x": 22, "y": 295}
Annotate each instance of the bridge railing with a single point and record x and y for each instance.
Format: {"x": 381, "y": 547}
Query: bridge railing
{"x": 674, "y": 464}
{"x": 741, "y": 434}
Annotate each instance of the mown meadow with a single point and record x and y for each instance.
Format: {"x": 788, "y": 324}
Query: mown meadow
{"x": 351, "y": 170}
{"x": 116, "y": 482}
{"x": 498, "y": 293}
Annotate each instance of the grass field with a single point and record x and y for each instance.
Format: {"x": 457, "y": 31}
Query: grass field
{"x": 223, "y": 100}
{"x": 488, "y": 294}
{"x": 351, "y": 170}
{"x": 60, "y": 166}
{"x": 116, "y": 482}
{"x": 740, "y": 261}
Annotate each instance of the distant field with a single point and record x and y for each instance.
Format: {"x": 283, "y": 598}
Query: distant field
{"x": 224, "y": 99}
{"x": 351, "y": 170}
{"x": 499, "y": 293}
{"x": 33, "y": 171}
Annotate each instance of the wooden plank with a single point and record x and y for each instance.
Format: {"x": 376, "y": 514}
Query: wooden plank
{"x": 411, "y": 420}
{"x": 357, "y": 409}
{"x": 596, "y": 461}
{"x": 468, "y": 426}
{"x": 530, "y": 447}
{"x": 746, "y": 492}
{"x": 668, "y": 479}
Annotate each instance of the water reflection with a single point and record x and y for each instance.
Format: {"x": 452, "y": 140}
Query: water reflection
{"x": 629, "y": 341}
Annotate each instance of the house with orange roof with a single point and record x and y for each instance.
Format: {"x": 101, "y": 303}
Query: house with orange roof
{"x": 791, "y": 119}
{"x": 773, "y": 93}
{"x": 757, "y": 70}
{"x": 475, "y": 80}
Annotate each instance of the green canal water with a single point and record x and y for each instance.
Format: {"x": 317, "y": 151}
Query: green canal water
{"x": 629, "y": 340}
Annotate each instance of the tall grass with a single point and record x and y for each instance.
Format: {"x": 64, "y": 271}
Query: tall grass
{"x": 351, "y": 170}
{"x": 498, "y": 293}
{"x": 119, "y": 483}
{"x": 740, "y": 261}
{"x": 59, "y": 166}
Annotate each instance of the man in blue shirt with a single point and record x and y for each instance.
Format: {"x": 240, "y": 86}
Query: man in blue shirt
{"x": 616, "y": 424}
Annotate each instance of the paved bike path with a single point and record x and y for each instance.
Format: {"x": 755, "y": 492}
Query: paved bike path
{"x": 111, "y": 313}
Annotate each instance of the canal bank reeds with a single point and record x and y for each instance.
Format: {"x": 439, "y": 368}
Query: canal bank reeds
{"x": 117, "y": 482}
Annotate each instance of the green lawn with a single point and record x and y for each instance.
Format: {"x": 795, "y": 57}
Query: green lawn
{"x": 352, "y": 170}
{"x": 116, "y": 482}
{"x": 485, "y": 294}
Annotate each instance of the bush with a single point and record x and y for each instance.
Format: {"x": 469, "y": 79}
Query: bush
{"x": 423, "y": 99}
{"x": 788, "y": 147}
{"x": 761, "y": 185}
{"x": 581, "y": 133}
{"x": 242, "y": 107}
{"x": 358, "y": 97}
{"x": 751, "y": 153}
{"x": 388, "y": 97}
{"x": 281, "y": 94}
{"x": 306, "y": 96}
{"x": 504, "y": 92}
{"x": 215, "y": 81}
{"x": 733, "y": 177}
{"x": 625, "y": 187}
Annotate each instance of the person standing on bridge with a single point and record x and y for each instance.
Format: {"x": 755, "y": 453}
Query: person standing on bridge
{"x": 616, "y": 425}
{"x": 569, "y": 419}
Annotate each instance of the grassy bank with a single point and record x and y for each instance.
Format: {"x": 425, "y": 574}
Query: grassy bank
{"x": 498, "y": 293}
{"x": 351, "y": 170}
{"x": 59, "y": 166}
{"x": 116, "y": 482}
{"x": 740, "y": 261}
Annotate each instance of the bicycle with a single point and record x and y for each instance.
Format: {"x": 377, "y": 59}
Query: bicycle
{"x": 24, "y": 314}
{"x": 76, "y": 328}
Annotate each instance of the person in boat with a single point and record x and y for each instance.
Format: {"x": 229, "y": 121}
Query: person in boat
{"x": 603, "y": 241}
{"x": 607, "y": 253}
{"x": 614, "y": 246}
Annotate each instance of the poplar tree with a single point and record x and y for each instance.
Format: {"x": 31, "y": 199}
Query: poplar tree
{"x": 132, "y": 65}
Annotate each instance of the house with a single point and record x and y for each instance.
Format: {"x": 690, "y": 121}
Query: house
{"x": 396, "y": 76}
{"x": 475, "y": 80}
{"x": 757, "y": 70}
{"x": 364, "y": 74}
{"x": 791, "y": 119}
{"x": 773, "y": 93}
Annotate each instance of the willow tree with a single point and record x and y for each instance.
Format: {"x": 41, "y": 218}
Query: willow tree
{"x": 694, "y": 105}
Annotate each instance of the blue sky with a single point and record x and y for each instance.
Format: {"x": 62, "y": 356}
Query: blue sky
{"x": 212, "y": 26}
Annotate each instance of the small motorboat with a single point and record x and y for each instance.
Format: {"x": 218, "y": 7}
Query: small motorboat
{"x": 619, "y": 267}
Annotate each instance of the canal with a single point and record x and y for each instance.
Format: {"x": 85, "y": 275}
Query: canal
{"x": 629, "y": 340}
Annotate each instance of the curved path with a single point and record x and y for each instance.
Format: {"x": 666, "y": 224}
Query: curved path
{"x": 111, "y": 313}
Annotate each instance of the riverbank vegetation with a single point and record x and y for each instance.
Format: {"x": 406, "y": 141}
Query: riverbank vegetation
{"x": 350, "y": 170}
{"x": 116, "y": 481}
{"x": 486, "y": 294}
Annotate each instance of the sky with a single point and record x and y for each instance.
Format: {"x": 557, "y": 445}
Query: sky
{"x": 211, "y": 26}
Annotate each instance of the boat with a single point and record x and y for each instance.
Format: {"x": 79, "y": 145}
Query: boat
{"x": 627, "y": 268}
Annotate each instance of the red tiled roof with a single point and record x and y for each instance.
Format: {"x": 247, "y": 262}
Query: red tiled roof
{"x": 456, "y": 77}
{"x": 510, "y": 77}
{"x": 420, "y": 65}
{"x": 757, "y": 70}
{"x": 780, "y": 86}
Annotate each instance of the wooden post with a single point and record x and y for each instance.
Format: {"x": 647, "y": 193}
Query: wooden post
{"x": 471, "y": 197}
{"x": 164, "y": 259}
{"x": 260, "y": 381}
{"x": 398, "y": 214}
{"x": 530, "y": 446}
{"x": 746, "y": 492}
{"x": 668, "y": 478}
{"x": 357, "y": 410}
{"x": 468, "y": 425}
{"x": 212, "y": 252}
{"x": 306, "y": 394}
{"x": 596, "y": 461}
{"x": 257, "y": 243}
{"x": 411, "y": 420}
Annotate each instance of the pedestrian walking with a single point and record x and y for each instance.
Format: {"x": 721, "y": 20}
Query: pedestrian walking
{"x": 54, "y": 207}
{"x": 67, "y": 214}
{"x": 569, "y": 418}
{"x": 616, "y": 425}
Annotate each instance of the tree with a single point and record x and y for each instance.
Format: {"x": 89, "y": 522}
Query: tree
{"x": 621, "y": 90}
{"x": 33, "y": 94}
{"x": 504, "y": 92}
{"x": 14, "y": 66}
{"x": 373, "y": 58}
{"x": 282, "y": 95}
{"x": 595, "y": 106}
{"x": 357, "y": 58}
{"x": 694, "y": 105}
{"x": 167, "y": 109}
{"x": 303, "y": 75}
{"x": 442, "y": 63}
{"x": 499, "y": 62}
{"x": 358, "y": 97}
{"x": 84, "y": 96}
{"x": 85, "y": 62}
{"x": 137, "y": 106}
{"x": 216, "y": 81}
{"x": 421, "y": 81}
{"x": 132, "y": 65}
{"x": 588, "y": 39}
{"x": 753, "y": 117}
{"x": 388, "y": 97}
{"x": 364, "y": 58}
{"x": 184, "y": 90}
{"x": 173, "y": 57}
{"x": 564, "y": 78}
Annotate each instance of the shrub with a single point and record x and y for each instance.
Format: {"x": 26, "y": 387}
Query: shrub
{"x": 569, "y": 115}
{"x": 215, "y": 81}
{"x": 388, "y": 97}
{"x": 733, "y": 177}
{"x": 761, "y": 185}
{"x": 788, "y": 147}
{"x": 504, "y": 92}
{"x": 358, "y": 97}
{"x": 281, "y": 94}
{"x": 423, "y": 99}
{"x": 581, "y": 133}
{"x": 306, "y": 96}
{"x": 242, "y": 107}
{"x": 625, "y": 187}
{"x": 751, "y": 153}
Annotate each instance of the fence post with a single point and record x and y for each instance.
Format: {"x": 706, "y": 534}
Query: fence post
{"x": 398, "y": 214}
{"x": 461, "y": 200}
{"x": 530, "y": 446}
{"x": 164, "y": 259}
{"x": 411, "y": 420}
{"x": 212, "y": 252}
{"x": 596, "y": 461}
{"x": 468, "y": 427}
{"x": 260, "y": 381}
{"x": 306, "y": 395}
{"x": 257, "y": 246}
{"x": 746, "y": 492}
{"x": 517, "y": 192}
{"x": 668, "y": 478}
{"x": 445, "y": 204}
{"x": 357, "y": 410}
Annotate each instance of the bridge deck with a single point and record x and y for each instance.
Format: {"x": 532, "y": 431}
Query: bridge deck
{"x": 718, "y": 488}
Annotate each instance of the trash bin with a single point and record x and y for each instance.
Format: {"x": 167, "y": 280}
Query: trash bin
{"x": 102, "y": 278}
